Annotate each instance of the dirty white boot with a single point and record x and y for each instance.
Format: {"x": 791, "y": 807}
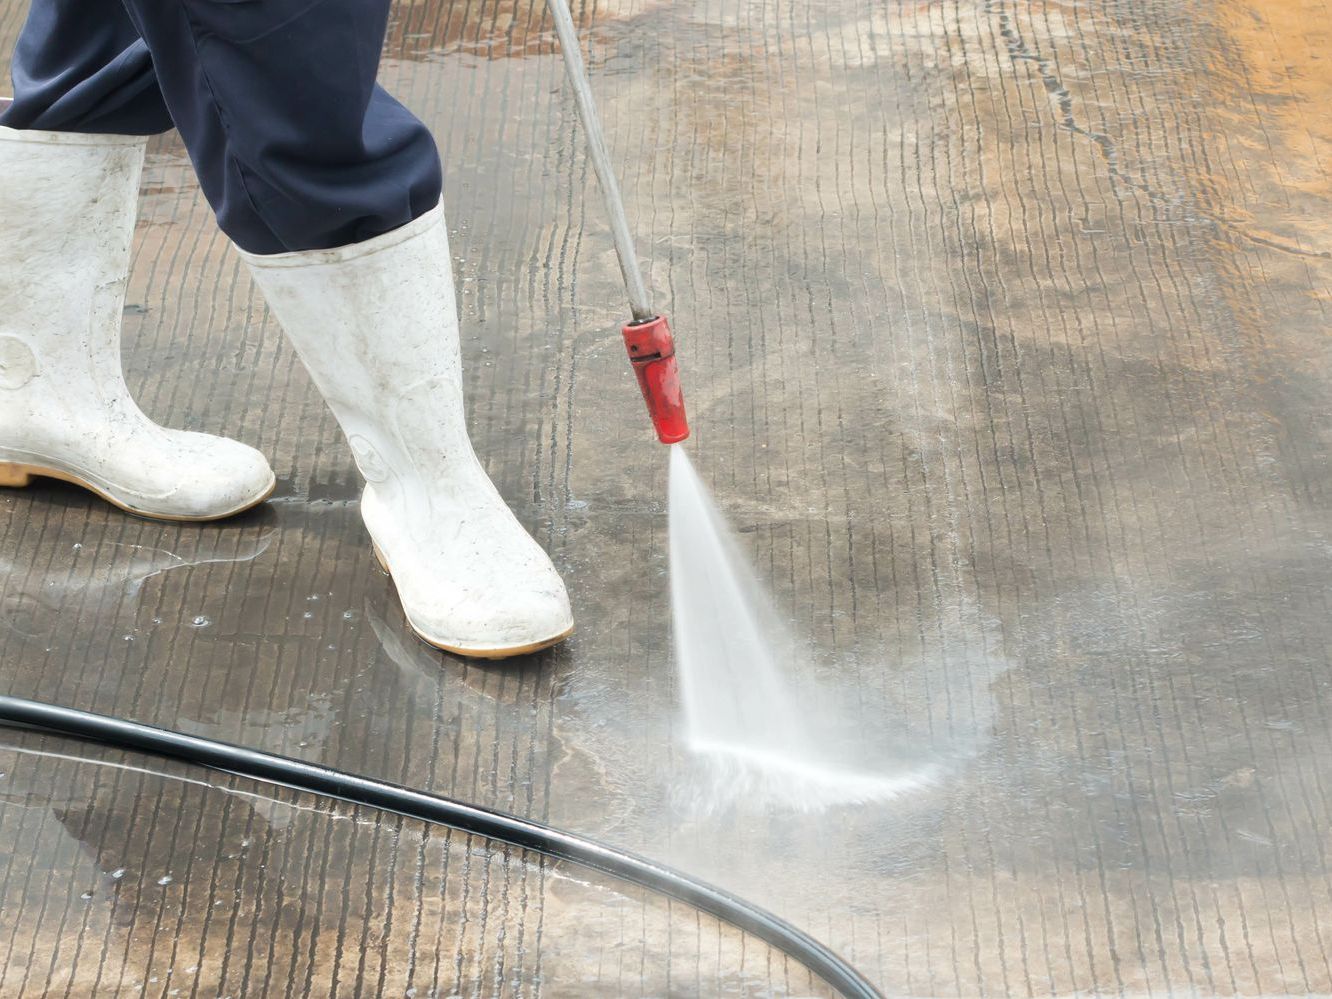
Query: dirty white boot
{"x": 377, "y": 326}
{"x": 67, "y": 207}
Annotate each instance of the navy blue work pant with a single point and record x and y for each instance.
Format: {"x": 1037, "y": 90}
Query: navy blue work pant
{"x": 295, "y": 145}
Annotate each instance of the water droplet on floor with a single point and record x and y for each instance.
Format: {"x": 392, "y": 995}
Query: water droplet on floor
{"x": 165, "y": 880}
{"x": 201, "y": 621}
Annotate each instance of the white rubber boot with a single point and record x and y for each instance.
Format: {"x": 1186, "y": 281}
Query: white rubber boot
{"x": 377, "y": 326}
{"x": 67, "y": 207}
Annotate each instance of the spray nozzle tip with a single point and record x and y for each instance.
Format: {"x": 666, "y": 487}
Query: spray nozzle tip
{"x": 651, "y": 350}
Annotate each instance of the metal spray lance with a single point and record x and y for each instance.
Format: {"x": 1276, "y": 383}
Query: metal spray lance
{"x": 647, "y": 337}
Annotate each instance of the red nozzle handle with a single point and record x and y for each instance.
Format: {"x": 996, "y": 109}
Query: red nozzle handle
{"x": 652, "y": 353}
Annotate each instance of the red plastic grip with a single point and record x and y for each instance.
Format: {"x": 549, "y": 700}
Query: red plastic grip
{"x": 652, "y": 353}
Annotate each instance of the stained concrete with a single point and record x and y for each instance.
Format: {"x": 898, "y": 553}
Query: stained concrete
{"x": 1004, "y": 329}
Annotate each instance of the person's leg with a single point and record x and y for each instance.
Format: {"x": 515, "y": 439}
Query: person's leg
{"x": 295, "y": 145}
{"x": 300, "y": 151}
{"x": 80, "y": 66}
{"x": 376, "y": 324}
{"x": 71, "y": 151}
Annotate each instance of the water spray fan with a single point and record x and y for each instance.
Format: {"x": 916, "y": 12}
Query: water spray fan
{"x": 647, "y": 336}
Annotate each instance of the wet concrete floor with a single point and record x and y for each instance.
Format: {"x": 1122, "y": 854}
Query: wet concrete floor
{"x": 1005, "y": 332}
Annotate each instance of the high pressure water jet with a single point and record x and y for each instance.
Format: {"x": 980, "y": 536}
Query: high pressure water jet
{"x": 754, "y": 711}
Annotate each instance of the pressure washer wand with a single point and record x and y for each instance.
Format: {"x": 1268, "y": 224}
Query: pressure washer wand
{"x": 647, "y": 337}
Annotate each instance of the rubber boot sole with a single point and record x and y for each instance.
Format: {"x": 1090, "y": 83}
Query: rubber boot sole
{"x": 472, "y": 653}
{"x": 14, "y": 475}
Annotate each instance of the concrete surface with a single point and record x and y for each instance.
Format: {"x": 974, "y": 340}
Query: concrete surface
{"x": 1004, "y": 329}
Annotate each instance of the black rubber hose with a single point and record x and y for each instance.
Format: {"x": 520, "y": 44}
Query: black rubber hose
{"x": 434, "y": 808}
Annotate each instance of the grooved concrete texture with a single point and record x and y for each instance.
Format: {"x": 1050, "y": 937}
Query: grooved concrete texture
{"x": 1005, "y": 332}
